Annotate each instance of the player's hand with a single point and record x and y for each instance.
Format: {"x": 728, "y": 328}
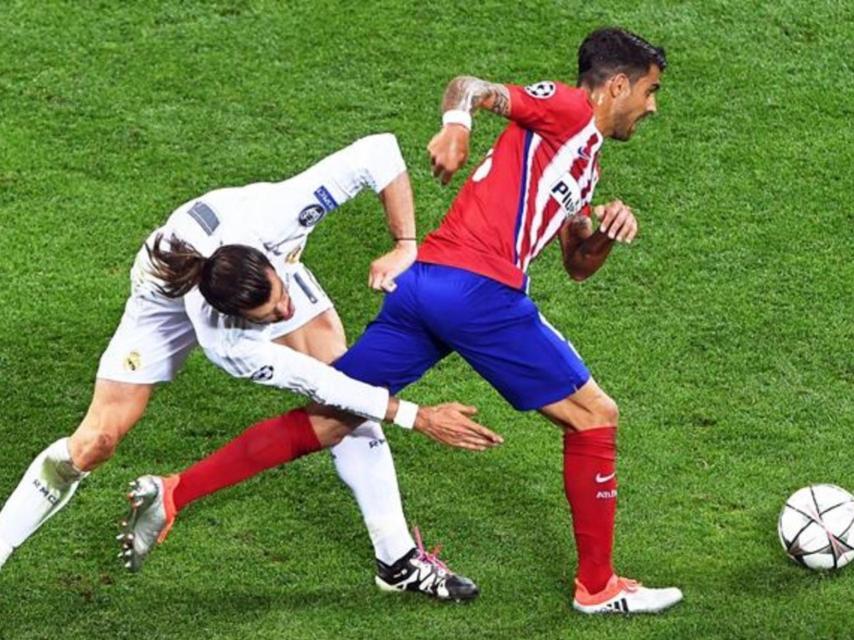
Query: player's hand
{"x": 449, "y": 150}
{"x": 451, "y": 424}
{"x": 617, "y": 221}
{"x": 387, "y": 267}
{"x": 581, "y": 227}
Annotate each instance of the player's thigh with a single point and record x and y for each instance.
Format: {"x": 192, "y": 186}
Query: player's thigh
{"x": 396, "y": 349}
{"x": 520, "y": 354}
{"x": 587, "y": 408}
{"x": 315, "y": 328}
{"x": 115, "y": 408}
{"x": 321, "y": 338}
{"x": 149, "y": 346}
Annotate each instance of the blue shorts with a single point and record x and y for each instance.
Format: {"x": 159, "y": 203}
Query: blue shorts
{"x": 498, "y": 330}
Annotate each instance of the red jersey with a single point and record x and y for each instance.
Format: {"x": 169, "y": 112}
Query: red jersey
{"x": 542, "y": 170}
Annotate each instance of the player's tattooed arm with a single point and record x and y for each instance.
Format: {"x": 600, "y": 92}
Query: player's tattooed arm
{"x": 467, "y": 93}
{"x": 449, "y": 149}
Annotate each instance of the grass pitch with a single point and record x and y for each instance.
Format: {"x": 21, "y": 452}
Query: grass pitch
{"x": 724, "y": 332}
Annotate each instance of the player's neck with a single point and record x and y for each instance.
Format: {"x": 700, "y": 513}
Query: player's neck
{"x": 601, "y": 103}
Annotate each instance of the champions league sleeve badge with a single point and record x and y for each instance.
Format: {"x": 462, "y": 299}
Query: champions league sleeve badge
{"x": 541, "y": 90}
{"x": 311, "y": 215}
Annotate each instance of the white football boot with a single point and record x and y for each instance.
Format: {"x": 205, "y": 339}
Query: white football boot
{"x": 151, "y": 516}
{"x": 622, "y": 595}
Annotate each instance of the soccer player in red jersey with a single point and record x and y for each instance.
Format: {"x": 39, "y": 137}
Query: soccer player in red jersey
{"x": 536, "y": 183}
{"x": 467, "y": 292}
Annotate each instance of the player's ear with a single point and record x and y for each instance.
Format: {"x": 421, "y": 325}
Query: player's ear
{"x": 619, "y": 85}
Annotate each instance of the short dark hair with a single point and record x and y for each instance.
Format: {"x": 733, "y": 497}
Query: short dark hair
{"x": 612, "y": 50}
{"x": 233, "y": 279}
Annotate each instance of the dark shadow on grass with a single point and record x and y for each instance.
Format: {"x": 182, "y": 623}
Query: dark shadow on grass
{"x": 773, "y": 573}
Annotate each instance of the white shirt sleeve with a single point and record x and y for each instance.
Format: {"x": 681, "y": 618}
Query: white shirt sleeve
{"x": 373, "y": 161}
{"x": 244, "y": 351}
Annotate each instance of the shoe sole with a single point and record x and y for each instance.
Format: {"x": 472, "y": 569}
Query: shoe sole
{"x": 594, "y": 610}
{"x": 385, "y": 587}
{"x": 138, "y": 498}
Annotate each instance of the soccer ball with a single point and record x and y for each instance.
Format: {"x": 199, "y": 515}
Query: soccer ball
{"x": 815, "y": 527}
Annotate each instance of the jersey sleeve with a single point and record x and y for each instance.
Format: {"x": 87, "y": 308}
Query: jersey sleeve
{"x": 549, "y": 108}
{"x": 251, "y": 355}
{"x": 373, "y": 162}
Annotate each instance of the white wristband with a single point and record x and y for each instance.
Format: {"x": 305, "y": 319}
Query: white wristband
{"x": 457, "y": 116}
{"x": 405, "y": 415}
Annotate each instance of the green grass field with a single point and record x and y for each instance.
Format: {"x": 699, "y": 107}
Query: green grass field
{"x": 724, "y": 332}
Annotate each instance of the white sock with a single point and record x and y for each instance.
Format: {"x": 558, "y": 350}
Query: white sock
{"x": 363, "y": 460}
{"x": 46, "y": 487}
{"x": 5, "y": 552}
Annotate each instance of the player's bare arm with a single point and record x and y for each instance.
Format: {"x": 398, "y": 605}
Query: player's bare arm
{"x": 399, "y": 209}
{"x": 464, "y": 95}
{"x": 449, "y": 424}
{"x": 469, "y": 94}
{"x": 585, "y": 250}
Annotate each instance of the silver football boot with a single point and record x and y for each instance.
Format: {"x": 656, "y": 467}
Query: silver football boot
{"x": 151, "y": 516}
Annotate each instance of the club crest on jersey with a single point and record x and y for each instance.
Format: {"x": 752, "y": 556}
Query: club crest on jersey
{"x": 133, "y": 361}
{"x": 541, "y": 90}
{"x": 566, "y": 191}
{"x": 311, "y": 215}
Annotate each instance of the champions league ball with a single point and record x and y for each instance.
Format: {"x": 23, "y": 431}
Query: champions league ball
{"x": 815, "y": 527}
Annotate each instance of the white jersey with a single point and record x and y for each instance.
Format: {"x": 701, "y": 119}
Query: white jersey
{"x": 276, "y": 218}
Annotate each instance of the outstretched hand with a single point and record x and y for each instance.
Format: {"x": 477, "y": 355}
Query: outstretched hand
{"x": 449, "y": 150}
{"x": 451, "y": 424}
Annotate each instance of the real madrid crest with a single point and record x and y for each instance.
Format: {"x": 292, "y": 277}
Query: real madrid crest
{"x": 133, "y": 361}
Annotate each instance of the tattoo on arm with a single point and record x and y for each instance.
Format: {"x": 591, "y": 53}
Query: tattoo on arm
{"x": 469, "y": 93}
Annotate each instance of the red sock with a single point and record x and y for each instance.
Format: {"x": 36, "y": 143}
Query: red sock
{"x": 589, "y": 463}
{"x": 263, "y": 445}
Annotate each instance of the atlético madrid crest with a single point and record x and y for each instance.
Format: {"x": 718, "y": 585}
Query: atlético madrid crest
{"x": 541, "y": 90}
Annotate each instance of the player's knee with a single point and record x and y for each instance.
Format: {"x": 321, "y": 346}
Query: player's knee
{"x": 335, "y": 339}
{"x": 96, "y": 440}
{"x": 103, "y": 446}
{"x": 90, "y": 450}
{"x": 331, "y": 426}
{"x": 606, "y": 412}
{"x": 601, "y": 412}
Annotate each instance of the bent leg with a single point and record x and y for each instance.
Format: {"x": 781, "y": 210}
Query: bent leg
{"x": 363, "y": 457}
{"x": 501, "y": 333}
{"x": 589, "y": 420}
{"x": 53, "y": 477}
{"x": 115, "y": 408}
{"x": 277, "y": 440}
{"x": 387, "y": 354}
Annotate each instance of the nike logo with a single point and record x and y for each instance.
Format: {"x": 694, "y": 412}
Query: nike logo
{"x": 600, "y": 478}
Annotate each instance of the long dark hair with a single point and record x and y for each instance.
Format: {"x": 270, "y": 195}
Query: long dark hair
{"x": 233, "y": 279}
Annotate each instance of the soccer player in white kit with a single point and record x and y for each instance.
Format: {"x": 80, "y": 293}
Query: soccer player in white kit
{"x": 270, "y": 341}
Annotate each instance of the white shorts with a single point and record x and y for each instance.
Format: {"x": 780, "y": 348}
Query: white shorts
{"x": 155, "y": 335}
